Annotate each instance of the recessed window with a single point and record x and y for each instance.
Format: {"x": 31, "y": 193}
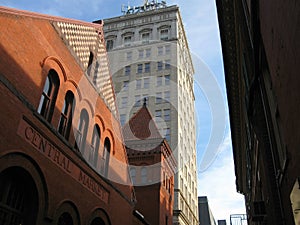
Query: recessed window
{"x": 127, "y": 70}
{"x": 93, "y": 154}
{"x": 167, "y": 134}
{"x": 167, "y": 96}
{"x": 138, "y": 84}
{"x": 139, "y": 68}
{"x": 167, "y": 79}
{"x": 147, "y": 67}
{"x": 65, "y": 121}
{"x": 167, "y": 64}
{"x": 106, "y": 156}
{"x": 141, "y": 54}
{"x": 125, "y": 85}
{"x": 146, "y": 83}
{"x": 158, "y": 113}
{"x": 167, "y": 49}
{"x": 145, "y": 38}
{"x": 81, "y": 132}
{"x": 109, "y": 45}
{"x": 164, "y": 34}
{"x": 127, "y": 40}
{"x": 159, "y": 65}
{"x": 128, "y": 56}
{"x": 48, "y": 98}
{"x": 167, "y": 114}
{"x": 137, "y": 100}
{"x": 124, "y": 102}
{"x": 160, "y": 50}
{"x": 159, "y": 81}
{"x": 148, "y": 52}
{"x": 158, "y": 97}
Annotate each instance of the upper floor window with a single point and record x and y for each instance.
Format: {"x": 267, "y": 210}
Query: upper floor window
{"x": 146, "y": 83}
{"x": 127, "y": 40}
{"x": 147, "y": 67}
{"x": 48, "y": 98}
{"x": 138, "y": 84}
{"x": 80, "y": 136}
{"x": 159, "y": 65}
{"x": 93, "y": 154}
{"x": 106, "y": 156}
{"x": 167, "y": 79}
{"x": 128, "y": 56}
{"x": 148, "y": 52}
{"x": 65, "y": 121}
{"x": 160, "y": 50}
{"x": 139, "y": 68}
{"x": 125, "y": 85}
{"x": 145, "y": 38}
{"x": 127, "y": 70}
{"x": 167, "y": 49}
{"x": 167, "y": 64}
{"x": 109, "y": 45}
{"x": 164, "y": 34}
{"x": 124, "y": 102}
{"x": 159, "y": 81}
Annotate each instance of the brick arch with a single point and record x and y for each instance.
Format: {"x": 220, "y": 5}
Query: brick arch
{"x": 68, "y": 207}
{"x": 17, "y": 159}
{"x": 51, "y": 62}
{"x": 100, "y": 214}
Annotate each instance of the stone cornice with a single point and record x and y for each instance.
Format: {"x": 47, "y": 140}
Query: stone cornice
{"x": 228, "y": 33}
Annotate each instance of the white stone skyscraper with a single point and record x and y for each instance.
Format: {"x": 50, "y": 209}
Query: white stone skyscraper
{"x": 150, "y": 59}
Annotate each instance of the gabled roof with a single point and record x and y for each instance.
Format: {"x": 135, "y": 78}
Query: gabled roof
{"x": 141, "y": 127}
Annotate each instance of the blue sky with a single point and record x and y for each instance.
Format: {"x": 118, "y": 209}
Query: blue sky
{"x": 215, "y": 161}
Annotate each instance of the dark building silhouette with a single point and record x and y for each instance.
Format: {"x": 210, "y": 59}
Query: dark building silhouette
{"x": 152, "y": 167}
{"x": 205, "y": 214}
{"x": 261, "y": 54}
{"x": 62, "y": 156}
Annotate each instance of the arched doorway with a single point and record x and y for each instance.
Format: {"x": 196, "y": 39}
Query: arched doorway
{"x": 18, "y": 197}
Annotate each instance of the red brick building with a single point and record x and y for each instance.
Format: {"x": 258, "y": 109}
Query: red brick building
{"x": 152, "y": 168}
{"x": 260, "y": 43}
{"x": 62, "y": 158}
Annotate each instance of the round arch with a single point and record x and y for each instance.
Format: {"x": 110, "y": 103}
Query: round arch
{"x": 67, "y": 213}
{"x": 19, "y": 165}
{"x": 99, "y": 217}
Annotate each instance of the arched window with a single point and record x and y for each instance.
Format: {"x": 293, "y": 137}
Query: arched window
{"x": 144, "y": 175}
{"x": 133, "y": 175}
{"x": 65, "y": 121}
{"x": 82, "y": 131}
{"x": 65, "y": 219}
{"x": 98, "y": 221}
{"x": 106, "y": 156}
{"x": 91, "y": 59}
{"x": 48, "y": 98}
{"x": 18, "y": 197}
{"x": 93, "y": 154}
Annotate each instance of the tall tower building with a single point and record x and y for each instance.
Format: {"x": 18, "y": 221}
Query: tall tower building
{"x": 150, "y": 58}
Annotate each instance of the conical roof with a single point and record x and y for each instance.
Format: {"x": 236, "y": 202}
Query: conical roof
{"x": 141, "y": 126}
